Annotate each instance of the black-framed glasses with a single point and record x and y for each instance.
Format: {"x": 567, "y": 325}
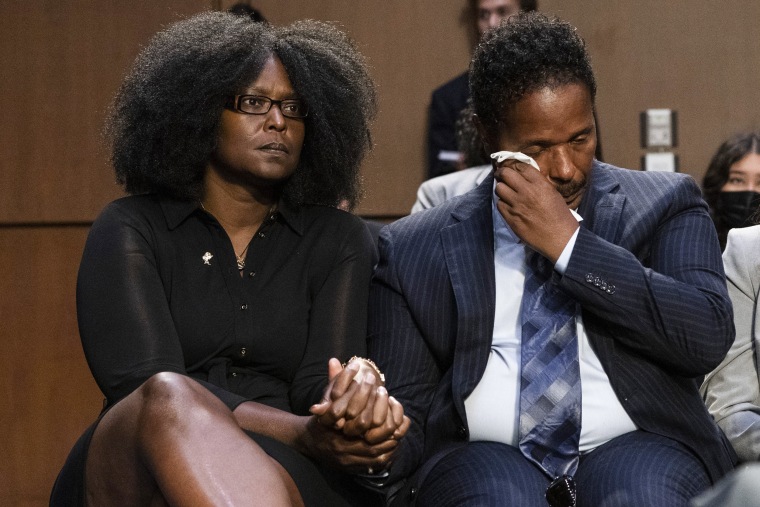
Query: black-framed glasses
{"x": 259, "y": 104}
{"x": 561, "y": 492}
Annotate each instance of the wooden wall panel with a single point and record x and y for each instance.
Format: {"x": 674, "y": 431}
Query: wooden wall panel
{"x": 693, "y": 57}
{"x": 61, "y": 64}
{"x": 699, "y": 58}
{"x": 48, "y": 395}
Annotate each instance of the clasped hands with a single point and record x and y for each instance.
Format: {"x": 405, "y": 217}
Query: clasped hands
{"x": 357, "y": 422}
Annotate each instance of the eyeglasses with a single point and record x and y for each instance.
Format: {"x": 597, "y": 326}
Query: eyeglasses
{"x": 259, "y": 104}
{"x": 561, "y": 492}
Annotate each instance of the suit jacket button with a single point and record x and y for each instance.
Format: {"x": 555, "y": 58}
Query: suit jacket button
{"x": 462, "y": 432}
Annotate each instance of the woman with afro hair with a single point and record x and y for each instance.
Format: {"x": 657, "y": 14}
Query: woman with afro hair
{"x": 218, "y": 302}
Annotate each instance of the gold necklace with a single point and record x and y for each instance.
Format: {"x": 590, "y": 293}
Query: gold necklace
{"x": 241, "y": 258}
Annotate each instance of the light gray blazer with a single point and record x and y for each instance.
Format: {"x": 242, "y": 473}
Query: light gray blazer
{"x": 439, "y": 189}
{"x": 732, "y": 391}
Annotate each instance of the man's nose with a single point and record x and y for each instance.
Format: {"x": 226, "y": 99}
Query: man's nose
{"x": 561, "y": 163}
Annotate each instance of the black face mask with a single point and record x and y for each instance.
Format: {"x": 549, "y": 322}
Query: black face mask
{"x": 734, "y": 209}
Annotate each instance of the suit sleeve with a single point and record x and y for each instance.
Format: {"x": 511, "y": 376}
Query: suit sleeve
{"x": 732, "y": 392}
{"x": 668, "y": 301}
{"x": 396, "y": 344}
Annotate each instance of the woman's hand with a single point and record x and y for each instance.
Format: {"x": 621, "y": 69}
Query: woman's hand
{"x": 353, "y": 454}
{"x": 353, "y": 404}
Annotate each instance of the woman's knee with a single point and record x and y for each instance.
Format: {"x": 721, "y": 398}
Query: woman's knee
{"x": 172, "y": 401}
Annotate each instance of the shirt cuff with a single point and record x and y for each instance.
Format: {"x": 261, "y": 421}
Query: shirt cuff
{"x": 561, "y": 265}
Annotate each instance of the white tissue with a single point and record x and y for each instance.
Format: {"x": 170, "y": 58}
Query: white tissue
{"x": 501, "y": 156}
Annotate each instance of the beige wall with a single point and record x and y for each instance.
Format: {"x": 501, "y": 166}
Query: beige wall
{"x": 62, "y": 61}
{"x": 700, "y": 58}
{"x": 695, "y": 57}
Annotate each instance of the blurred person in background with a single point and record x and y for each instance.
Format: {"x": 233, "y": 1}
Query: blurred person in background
{"x": 246, "y": 9}
{"x": 732, "y": 391}
{"x": 731, "y": 185}
{"x": 449, "y": 99}
{"x": 477, "y": 165}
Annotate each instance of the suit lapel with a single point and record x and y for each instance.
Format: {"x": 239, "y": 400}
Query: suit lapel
{"x": 468, "y": 250}
{"x": 601, "y": 208}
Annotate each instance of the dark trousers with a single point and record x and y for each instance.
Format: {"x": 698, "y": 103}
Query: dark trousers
{"x": 636, "y": 469}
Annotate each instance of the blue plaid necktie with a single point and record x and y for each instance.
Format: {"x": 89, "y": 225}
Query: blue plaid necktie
{"x": 550, "y": 383}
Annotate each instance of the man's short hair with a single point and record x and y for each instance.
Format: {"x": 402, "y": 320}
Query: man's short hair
{"x": 528, "y": 52}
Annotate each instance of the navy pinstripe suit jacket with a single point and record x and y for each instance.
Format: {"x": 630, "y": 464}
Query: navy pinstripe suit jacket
{"x": 667, "y": 322}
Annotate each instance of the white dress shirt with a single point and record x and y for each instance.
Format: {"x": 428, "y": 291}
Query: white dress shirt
{"x": 493, "y": 408}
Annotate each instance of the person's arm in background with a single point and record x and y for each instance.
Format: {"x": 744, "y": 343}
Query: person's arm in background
{"x": 446, "y": 103}
{"x": 732, "y": 391}
{"x": 428, "y": 195}
{"x": 442, "y": 188}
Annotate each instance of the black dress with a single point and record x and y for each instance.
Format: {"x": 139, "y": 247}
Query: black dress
{"x": 159, "y": 290}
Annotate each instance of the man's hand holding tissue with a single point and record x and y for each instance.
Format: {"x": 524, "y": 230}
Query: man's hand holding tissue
{"x": 533, "y": 207}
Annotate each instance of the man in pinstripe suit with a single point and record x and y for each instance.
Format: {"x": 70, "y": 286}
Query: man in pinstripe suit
{"x": 643, "y": 266}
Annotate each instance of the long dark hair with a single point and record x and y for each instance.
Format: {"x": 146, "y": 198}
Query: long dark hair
{"x": 729, "y": 152}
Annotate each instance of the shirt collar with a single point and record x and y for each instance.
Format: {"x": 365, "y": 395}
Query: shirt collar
{"x": 293, "y": 217}
{"x": 176, "y": 211}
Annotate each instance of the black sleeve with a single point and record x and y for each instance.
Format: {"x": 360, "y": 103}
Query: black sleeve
{"x": 125, "y": 324}
{"x": 338, "y": 321}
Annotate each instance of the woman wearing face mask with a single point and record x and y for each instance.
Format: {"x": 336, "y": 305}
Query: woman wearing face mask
{"x": 731, "y": 185}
